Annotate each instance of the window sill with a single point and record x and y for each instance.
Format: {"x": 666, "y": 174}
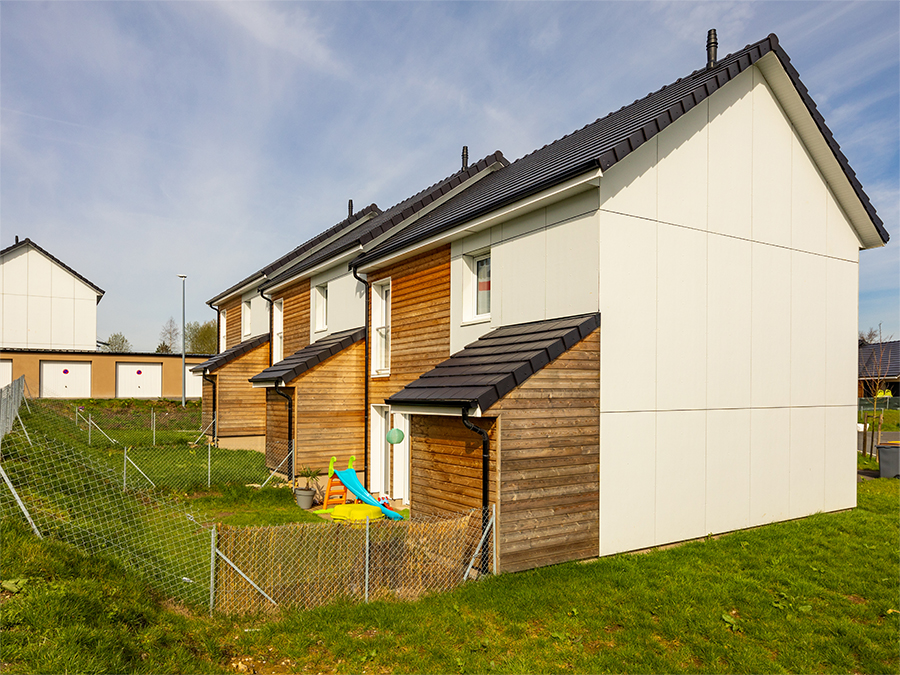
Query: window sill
{"x": 375, "y": 376}
{"x": 478, "y": 319}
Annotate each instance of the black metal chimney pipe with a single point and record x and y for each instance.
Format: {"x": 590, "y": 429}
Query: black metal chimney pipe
{"x": 712, "y": 46}
{"x": 349, "y": 208}
{"x": 465, "y": 157}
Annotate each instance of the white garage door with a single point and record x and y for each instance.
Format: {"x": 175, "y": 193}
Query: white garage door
{"x": 193, "y": 383}
{"x": 138, "y": 380}
{"x": 65, "y": 379}
{"x": 5, "y": 372}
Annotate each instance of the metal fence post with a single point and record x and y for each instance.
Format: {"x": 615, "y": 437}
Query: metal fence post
{"x": 153, "y": 425}
{"x": 90, "y": 424}
{"x": 494, "y": 536}
{"x": 208, "y": 463}
{"x": 124, "y": 470}
{"x": 367, "y": 558}
{"x": 212, "y": 569}
{"x": 19, "y": 502}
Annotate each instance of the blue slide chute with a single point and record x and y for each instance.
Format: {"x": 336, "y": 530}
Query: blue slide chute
{"x": 351, "y": 482}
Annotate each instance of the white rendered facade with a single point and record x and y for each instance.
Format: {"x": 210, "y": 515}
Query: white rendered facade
{"x": 726, "y": 274}
{"x": 43, "y": 305}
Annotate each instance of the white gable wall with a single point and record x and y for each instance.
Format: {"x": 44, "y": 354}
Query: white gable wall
{"x": 44, "y": 306}
{"x": 728, "y": 295}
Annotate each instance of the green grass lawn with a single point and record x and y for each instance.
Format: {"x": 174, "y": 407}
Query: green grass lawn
{"x": 814, "y": 595}
{"x": 891, "y": 419}
{"x": 242, "y": 506}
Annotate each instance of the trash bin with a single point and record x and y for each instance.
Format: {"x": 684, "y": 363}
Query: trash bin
{"x": 889, "y": 460}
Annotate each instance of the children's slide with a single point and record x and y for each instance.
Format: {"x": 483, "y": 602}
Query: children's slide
{"x": 351, "y": 482}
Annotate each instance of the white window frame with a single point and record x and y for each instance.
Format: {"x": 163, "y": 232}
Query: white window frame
{"x": 246, "y": 318}
{"x": 381, "y": 328}
{"x": 470, "y": 288}
{"x": 320, "y": 300}
{"x": 223, "y": 330}
{"x": 278, "y": 330}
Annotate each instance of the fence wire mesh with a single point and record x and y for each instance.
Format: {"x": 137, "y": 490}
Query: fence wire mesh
{"x": 128, "y": 501}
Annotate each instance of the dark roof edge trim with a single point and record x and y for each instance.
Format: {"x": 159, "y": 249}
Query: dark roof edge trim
{"x": 28, "y": 242}
{"x": 387, "y": 249}
{"x": 819, "y": 120}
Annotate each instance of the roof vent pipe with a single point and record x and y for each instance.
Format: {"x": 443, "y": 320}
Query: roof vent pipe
{"x": 349, "y": 208}
{"x": 17, "y": 239}
{"x": 712, "y": 46}
{"x": 465, "y": 157}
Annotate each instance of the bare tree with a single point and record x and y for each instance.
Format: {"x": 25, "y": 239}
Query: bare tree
{"x": 170, "y": 336}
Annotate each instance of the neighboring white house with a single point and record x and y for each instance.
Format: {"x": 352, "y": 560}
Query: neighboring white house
{"x": 44, "y": 303}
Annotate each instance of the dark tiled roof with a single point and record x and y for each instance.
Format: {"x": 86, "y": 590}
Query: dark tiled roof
{"x": 27, "y": 242}
{"x": 229, "y": 355}
{"x": 880, "y": 359}
{"x": 299, "y": 251}
{"x": 492, "y": 366}
{"x": 371, "y": 229}
{"x": 308, "y": 357}
{"x": 606, "y": 142}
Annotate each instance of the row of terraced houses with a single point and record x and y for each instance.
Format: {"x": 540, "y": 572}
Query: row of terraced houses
{"x": 641, "y": 333}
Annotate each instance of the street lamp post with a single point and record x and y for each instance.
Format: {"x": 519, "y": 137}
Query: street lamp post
{"x": 183, "y": 381}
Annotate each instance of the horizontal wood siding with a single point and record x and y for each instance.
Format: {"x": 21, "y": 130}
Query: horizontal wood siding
{"x": 277, "y": 427}
{"x": 232, "y": 323}
{"x": 206, "y": 405}
{"x": 446, "y": 464}
{"x": 329, "y": 420}
{"x": 296, "y": 316}
{"x": 242, "y": 409}
{"x": 549, "y": 479}
{"x": 420, "y": 321}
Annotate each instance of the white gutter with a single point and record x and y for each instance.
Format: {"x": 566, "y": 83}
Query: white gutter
{"x": 443, "y": 410}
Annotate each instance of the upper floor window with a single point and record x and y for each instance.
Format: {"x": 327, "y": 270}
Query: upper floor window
{"x": 381, "y": 328}
{"x": 277, "y": 331}
{"x": 222, "y": 331}
{"x": 320, "y": 298}
{"x": 482, "y": 265}
{"x": 246, "y": 323}
{"x": 477, "y": 287}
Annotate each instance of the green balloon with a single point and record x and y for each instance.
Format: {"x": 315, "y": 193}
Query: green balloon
{"x": 394, "y": 436}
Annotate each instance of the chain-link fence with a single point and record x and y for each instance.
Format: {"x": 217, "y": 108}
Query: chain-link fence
{"x": 82, "y": 495}
{"x": 164, "y": 449}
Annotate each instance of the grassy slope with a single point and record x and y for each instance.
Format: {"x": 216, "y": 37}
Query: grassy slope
{"x": 814, "y": 595}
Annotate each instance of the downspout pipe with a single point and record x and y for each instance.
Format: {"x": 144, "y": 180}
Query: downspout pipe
{"x": 287, "y": 398}
{"x": 271, "y": 326}
{"x": 368, "y": 286}
{"x": 485, "y": 470}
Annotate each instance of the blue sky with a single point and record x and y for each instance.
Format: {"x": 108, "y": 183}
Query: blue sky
{"x": 140, "y": 140}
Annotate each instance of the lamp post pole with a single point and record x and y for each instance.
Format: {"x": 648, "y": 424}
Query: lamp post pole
{"x": 183, "y": 382}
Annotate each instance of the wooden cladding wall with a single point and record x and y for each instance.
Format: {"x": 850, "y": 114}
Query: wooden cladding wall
{"x": 242, "y": 409}
{"x": 329, "y": 418}
{"x": 232, "y": 323}
{"x": 296, "y": 316}
{"x": 446, "y": 464}
{"x": 549, "y": 482}
{"x": 206, "y": 406}
{"x": 277, "y": 427}
{"x": 420, "y": 319}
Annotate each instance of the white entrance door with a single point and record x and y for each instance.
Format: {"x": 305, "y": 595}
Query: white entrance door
{"x": 65, "y": 379}
{"x": 379, "y": 475}
{"x": 193, "y": 383}
{"x": 400, "y": 485}
{"x": 138, "y": 380}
